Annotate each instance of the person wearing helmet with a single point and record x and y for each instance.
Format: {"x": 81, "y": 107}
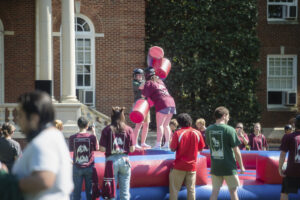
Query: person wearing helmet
{"x": 288, "y": 129}
{"x": 164, "y": 104}
{"x": 137, "y": 85}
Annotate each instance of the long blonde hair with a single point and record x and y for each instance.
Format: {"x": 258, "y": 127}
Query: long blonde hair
{"x": 257, "y": 124}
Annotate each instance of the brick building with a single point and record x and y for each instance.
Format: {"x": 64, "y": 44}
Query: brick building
{"x": 278, "y": 31}
{"x": 109, "y": 44}
{"x": 76, "y": 49}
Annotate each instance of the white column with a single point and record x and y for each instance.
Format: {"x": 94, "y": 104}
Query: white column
{"x": 68, "y": 52}
{"x": 2, "y": 93}
{"x": 45, "y": 40}
{"x": 37, "y": 39}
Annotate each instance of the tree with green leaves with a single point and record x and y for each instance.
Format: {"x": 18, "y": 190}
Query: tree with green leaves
{"x": 214, "y": 49}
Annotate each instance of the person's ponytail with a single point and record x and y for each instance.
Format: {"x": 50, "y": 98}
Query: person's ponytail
{"x": 7, "y": 129}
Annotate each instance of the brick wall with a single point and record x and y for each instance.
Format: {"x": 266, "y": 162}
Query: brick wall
{"x": 119, "y": 51}
{"x": 19, "y": 54}
{"x": 116, "y": 54}
{"x": 272, "y": 36}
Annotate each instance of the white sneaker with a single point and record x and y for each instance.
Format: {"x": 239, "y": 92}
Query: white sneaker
{"x": 138, "y": 146}
{"x": 166, "y": 146}
{"x": 157, "y": 145}
{"x": 146, "y": 146}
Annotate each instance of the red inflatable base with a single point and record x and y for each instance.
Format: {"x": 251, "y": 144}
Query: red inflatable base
{"x": 267, "y": 168}
{"x": 152, "y": 170}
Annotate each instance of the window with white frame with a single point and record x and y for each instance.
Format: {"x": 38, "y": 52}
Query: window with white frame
{"x": 282, "y": 80}
{"x": 282, "y": 10}
{"x": 85, "y": 86}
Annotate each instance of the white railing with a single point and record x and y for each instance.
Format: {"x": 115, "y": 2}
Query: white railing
{"x": 7, "y": 111}
{"x": 68, "y": 113}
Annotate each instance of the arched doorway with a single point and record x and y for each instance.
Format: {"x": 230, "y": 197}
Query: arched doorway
{"x": 1, "y": 63}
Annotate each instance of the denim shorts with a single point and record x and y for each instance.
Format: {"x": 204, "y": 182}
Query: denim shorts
{"x": 168, "y": 110}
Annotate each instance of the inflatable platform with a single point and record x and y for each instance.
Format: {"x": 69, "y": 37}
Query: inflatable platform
{"x": 150, "y": 171}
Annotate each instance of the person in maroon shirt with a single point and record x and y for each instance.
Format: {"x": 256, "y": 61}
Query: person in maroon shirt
{"x": 186, "y": 142}
{"x": 83, "y": 144}
{"x": 117, "y": 141}
{"x": 164, "y": 103}
{"x": 290, "y": 143}
{"x": 257, "y": 140}
{"x": 243, "y": 137}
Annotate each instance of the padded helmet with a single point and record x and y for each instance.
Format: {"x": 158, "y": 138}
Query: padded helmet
{"x": 288, "y": 127}
{"x": 149, "y": 71}
{"x": 138, "y": 71}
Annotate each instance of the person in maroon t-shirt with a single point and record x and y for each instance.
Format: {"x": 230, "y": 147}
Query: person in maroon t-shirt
{"x": 243, "y": 137}
{"x": 156, "y": 90}
{"x": 290, "y": 143}
{"x": 83, "y": 144}
{"x": 257, "y": 140}
{"x": 186, "y": 142}
{"x": 117, "y": 141}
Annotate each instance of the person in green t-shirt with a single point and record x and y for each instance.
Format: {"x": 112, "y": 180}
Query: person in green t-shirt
{"x": 223, "y": 143}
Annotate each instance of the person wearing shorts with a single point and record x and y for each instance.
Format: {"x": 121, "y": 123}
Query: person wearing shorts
{"x": 290, "y": 143}
{"x": 224, "y": 151}
{"x": 164, "y": 103}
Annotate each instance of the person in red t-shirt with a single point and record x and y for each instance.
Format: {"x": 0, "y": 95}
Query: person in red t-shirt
{"x": 164, "y": 103}
{"x": 83, "y": 144}
{"x": 186, "y": 142}
{"x": 257, "y": 140}
{"x": 291, "y": 175}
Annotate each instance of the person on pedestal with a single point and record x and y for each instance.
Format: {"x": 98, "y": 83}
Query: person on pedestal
{"x": 164, "y": 103}
{"x": 137, "y": 85}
